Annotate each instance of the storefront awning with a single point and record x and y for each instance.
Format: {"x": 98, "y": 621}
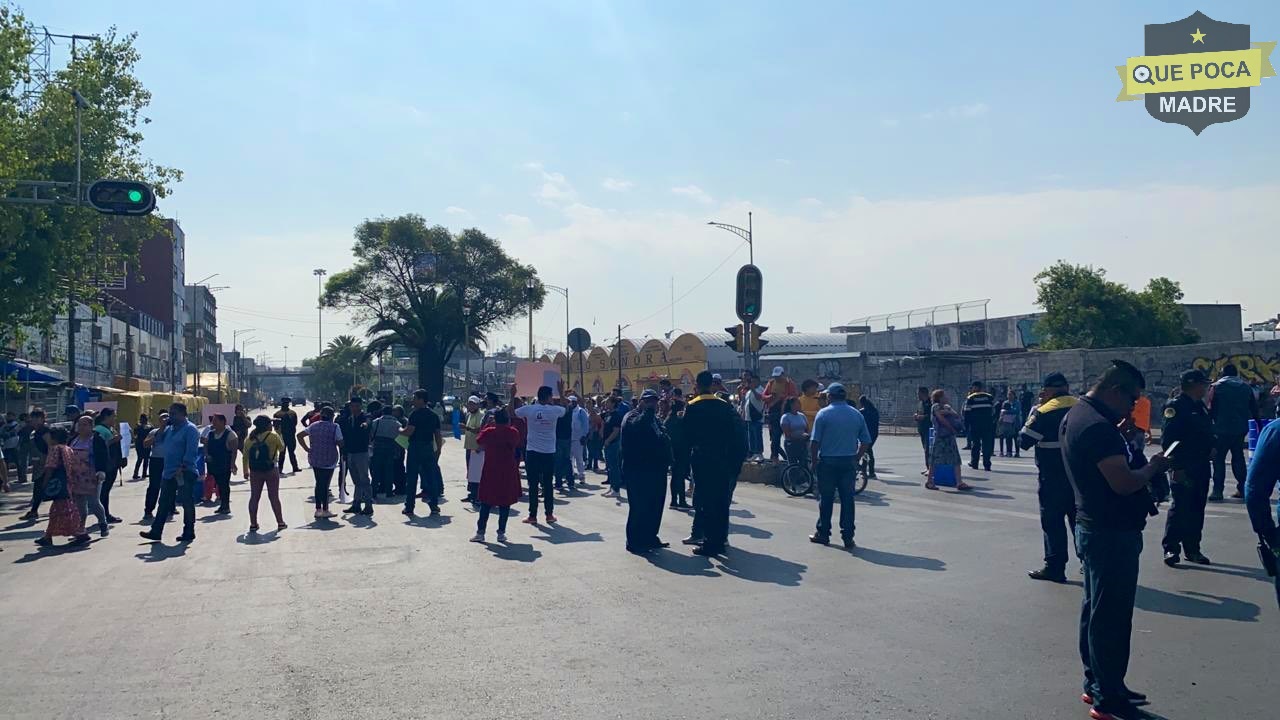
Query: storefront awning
{"x": 23, "y": 371}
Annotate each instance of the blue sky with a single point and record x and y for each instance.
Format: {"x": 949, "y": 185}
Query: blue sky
{"x": 887, "y": 150}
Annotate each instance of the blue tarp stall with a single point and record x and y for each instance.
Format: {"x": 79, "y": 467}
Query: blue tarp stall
{"x": 23, "y": 371}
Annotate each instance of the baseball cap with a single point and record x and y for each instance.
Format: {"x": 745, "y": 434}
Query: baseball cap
{"x": 716, "y": 376}
{"x": 473, "y": 399}
{"x": 71, "y": 410}
{"x": 649, "y": 394}
{"x": 778, "y": 371}
{"x": 835, "y": 389}
{"x": 1054, "y": 379}
{"x": 1194, "y": 377}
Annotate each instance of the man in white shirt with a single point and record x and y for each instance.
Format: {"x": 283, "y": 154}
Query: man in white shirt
{"x": 540, "y": 448}
{"x": 578, "y": 437}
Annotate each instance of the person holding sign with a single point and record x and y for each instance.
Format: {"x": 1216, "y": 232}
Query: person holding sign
{"x": 540, "y": 447}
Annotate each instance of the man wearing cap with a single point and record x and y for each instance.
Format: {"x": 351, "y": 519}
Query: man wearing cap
{"x": 646, "y": 455}
{"x": 1187, "y": 422}
{"x": 777, "y": 392}
{"x": 839, "y": 435}
{"x": 1057, "y": 500}
{"x": 716, "y": 447}
{"x": 472, "y": 422}
{"x": 980, "y": 419}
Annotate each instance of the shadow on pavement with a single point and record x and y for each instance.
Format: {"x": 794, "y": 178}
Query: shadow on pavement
{"x": 1219, "y": 568}
{"x": 258, "y": 538}
{"x": 516, "y": 552}
{"x": 980, "y": 493}
{"x": 900, "y": 483}
{"x": 889, "y": 559}
{"x": 870, "y": 497}
{"x": 323, "y": 524}
{"x": 1190, "y": 604}
{"x": 742, "y": 513}
{"x": 674, "y": 562}
{"x": 52, "y": 551}
{"x": 159, "y": 553}
{"x": 561, "y": 535}
{"x": 215, "y": 518}
{"x": 758, "y": 567}
{"x": 21, "y": 535}
{"x": 429, "y": 521}
{"x": 749, "y": 531}
{"x": 362, "y": 521}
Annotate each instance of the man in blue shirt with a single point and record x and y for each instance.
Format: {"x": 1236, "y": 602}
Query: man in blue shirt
{"x": 1264, "y": 471}
{"x": 839, "y": 435}
{"x": 181, "y": 443}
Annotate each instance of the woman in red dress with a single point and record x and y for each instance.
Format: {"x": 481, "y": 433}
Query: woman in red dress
{"x": 500, "y": 478}
{"x": 64, "y": 518}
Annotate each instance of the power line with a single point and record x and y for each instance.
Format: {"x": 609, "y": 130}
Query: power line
{"x": 689, "y": 292}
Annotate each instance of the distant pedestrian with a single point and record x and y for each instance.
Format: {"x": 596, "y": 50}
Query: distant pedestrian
{"x": 646, "y": 450}
{"x": 422, "y": 464}
{"x": 106, "y": 427}
{"x": 1232, "y": 405}
{"x": 924, "y": 423}
{"x": 472, "y": 421}
{"x": 541, "y": 416}
{"x": 87, "y": 475}
{"x": 776, "y": 391}
{"x": 1056, "y": 499}
{"x": 221, "y": 447}
{"x": 355, "y": 444}
{"x": 581, "y": 428}
{"x": 871, "y": 414}
{"x": 155, "y": 473}
{"x": 944, "y": 453}
{"x": 261, "y": 449}
{"x": 181, "y": 443}
{"x": 611, "y": 431}
{"x": 717, "y": 445}
{"x": 140, "y": 448}
{"x": 751, "y": 408}
{"x": 288, "y": 420}
{"x": 322, "y": 454}
{"x": 679, "y": 455}
{"x": 980, "y": 422}
{"x": 500, "y": 476}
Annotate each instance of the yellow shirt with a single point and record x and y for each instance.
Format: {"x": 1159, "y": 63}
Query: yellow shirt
{"x": 810, "y": 405}
{"x": 273, "y": 441}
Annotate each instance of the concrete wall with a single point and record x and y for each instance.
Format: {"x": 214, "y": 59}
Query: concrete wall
{"x": 892, "y": 383}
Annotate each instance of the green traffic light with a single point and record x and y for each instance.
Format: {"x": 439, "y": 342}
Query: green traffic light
{"x": 135, "y": 196}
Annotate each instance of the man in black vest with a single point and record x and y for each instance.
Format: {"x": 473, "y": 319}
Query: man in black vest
{"x": 717, "y": 446}
{"x": 1057, "y": 501}
{"x": 646, "y": 455}
{"x": 980, "y": 420}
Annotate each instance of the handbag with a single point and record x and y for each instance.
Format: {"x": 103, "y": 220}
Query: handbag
{"x": 55, "y": 486}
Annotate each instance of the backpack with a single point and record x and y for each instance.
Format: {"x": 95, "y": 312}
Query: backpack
{"x": 260, "y": 456}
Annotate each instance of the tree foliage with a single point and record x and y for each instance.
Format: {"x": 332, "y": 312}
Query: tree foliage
{"x": 411, "y": 282}
{"x": 50, "y": 253}
{"x": 1083, "y": 309}
{"x": 338, "y": 370}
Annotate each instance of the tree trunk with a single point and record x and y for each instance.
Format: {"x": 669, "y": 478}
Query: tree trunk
{"x": 430, "y": 372}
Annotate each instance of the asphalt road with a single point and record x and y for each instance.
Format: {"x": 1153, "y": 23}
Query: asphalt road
{"x": 933, "y": 616}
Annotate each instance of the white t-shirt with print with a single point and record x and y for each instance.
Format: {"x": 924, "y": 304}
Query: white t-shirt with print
{"x": 542, "y": 426}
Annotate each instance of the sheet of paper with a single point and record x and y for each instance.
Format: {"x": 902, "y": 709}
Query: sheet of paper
{"x": 532, "y": 375}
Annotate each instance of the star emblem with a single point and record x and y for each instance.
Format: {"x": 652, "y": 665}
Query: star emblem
{"x": 1197, "y": 37}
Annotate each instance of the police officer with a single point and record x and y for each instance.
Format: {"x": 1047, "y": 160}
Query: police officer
{"x": 1231, "y": 406}
{"x": 716, "y": 446}
{"x": 980, "y": 419}
{"x": 1057, "y": 500}
{"x": 1187, "y": 422}
{"x": 646, "y": 455}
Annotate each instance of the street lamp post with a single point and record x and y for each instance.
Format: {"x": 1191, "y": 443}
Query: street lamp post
{"x": 235, "y": 371}
{"x": 530, "y": 285}
{"x": 286, "y": 357}
{"x": 563, "y": 291}
{"x": 239, "y": 370}
{"x": 740, "y": 232}
{"x": 319, "y": 273}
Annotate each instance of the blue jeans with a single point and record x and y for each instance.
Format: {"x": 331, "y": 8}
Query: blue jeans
{"x": 613, "y": 459}
{"x": 835, "y": 476}
{"x": 421, "y": 466}
{"x": 755, "y": 437}
{"x": 1110, "y": 560}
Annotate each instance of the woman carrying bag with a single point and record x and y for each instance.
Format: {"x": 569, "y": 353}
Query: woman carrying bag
{"x": 64, "y": 518}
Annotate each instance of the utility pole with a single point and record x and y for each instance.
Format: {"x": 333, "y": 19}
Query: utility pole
{"x": 466, "y": 349}
{"x": 319, "y": 273}
{"x": 619, "y": 354}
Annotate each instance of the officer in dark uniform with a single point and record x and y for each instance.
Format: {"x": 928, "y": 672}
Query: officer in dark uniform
{"x": 1057, "y": 499}
{"x": 980, "y": 420}
{"x": 1187, "y": 422}
{"x": 646, "y": 454}
{"x": 716, "y": 446}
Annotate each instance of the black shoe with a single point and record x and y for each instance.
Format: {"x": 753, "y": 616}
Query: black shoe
{"x": 1048, "y": 574}
{"x": 353, "y": 510}
{"x": 368, "y": 510}
{"x": 435, "y": 511}
{"x": 819, "y": 539}
{"x": 44, "y": 541}
{"x": 660, "y": 544}
{"x": 30, "y": 515}
{"x": 407, "y": 511}
{"x": 638, "y": 551}
{"x": 1215, "y": 497}
{"x": 79, "y": 540}
{"x": 674, "y": 506}
{"x": 185, "y": 538}
{"x": 684, "y": 505}
{"x": 849, "y": 544}
{"x": 705, "y": 551}
{"x": 114, "y": 520}
{"x": 148, "y": 535}
{"x": 987, "y": 467}
{"x": 1171, "y": 558}
{"x": 1197, "y": 557}
{"x": 973, "y": 465}
{"x": 691, "y": 540}
{"x": 224, "y": 510}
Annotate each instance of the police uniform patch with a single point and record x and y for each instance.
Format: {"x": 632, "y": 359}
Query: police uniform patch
{"x": 1169, "y": 413}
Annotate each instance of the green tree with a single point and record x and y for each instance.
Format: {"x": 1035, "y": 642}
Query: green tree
{"x": 411, "y": 282}
{"x": 52, "y": 253}
{"x": 338, "y": 370}
{"x": 1083, "y": 309}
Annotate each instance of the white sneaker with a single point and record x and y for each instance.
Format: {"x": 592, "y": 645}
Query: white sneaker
{"x": 342, "y": 496}
{"x": 502, "y": 537}
{"x": 329, "y": 514}
{"x": 479, "y": 538}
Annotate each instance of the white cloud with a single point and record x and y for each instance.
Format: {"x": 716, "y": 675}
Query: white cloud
{"x": 782, "y": 161}
{"x": 555, "y": 190}
{"x": 516, "y": 221}
{"x": 811, "y": 202}
{"x": 971, "y": 110}
{"x": 693, "y": 192}
{"x": 455, "y": 210}
{"x": 617, "y": 185}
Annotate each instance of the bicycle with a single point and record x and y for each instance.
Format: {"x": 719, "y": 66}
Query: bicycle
{"x": 797, "y": 479}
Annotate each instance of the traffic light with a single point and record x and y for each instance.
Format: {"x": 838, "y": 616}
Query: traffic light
{"x": 738, "y": 337}
{"x": 122, "y": 197}
{"x": 750, "y": 291}
{"x": 758, "y": 342}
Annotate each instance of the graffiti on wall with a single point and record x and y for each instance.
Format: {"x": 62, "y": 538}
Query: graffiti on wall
{"x": 973, "y": 335}
{"x": 1251, "y": 367}
{"x": 829, "y": 369}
